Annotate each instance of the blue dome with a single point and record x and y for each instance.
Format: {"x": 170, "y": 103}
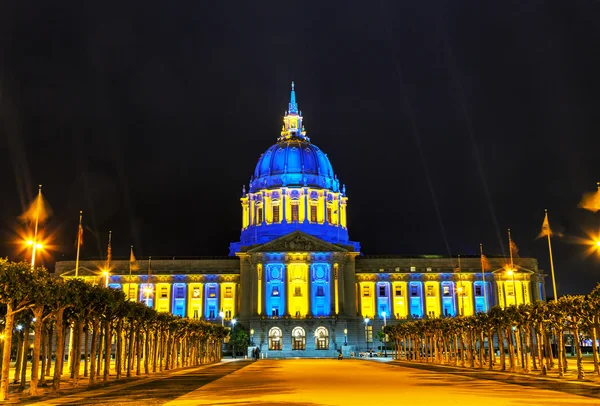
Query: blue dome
{"x": 294, "y": 162}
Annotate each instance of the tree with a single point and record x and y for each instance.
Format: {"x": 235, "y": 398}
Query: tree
{"x": 17, "y": 285}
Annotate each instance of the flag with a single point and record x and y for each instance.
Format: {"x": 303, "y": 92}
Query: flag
{"x": 38, "y": 208}
{"x": 133, "y": 266}
{"x": 485, "y": 263}
{"x": 591, "y": 201}
{"x": 109, "y": 250}
{"x": 513, "y": 249}
{"x": 80, "y": 235}
{"x": 546, "y": 231}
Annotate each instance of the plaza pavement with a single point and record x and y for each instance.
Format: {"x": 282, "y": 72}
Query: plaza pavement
{"x": 333, "y": 382}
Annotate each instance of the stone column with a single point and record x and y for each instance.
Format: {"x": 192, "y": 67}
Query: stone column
{"x": 349, "y": 286}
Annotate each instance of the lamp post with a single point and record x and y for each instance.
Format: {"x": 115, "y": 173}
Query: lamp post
{"x": 105, "y": 273}
{"x": 222, "y": 315}
{"x": 252, "y": 336}
{"x": 367, "y": 332}
{"x": 345, "y": 336}
{"x": 233, "y": 321}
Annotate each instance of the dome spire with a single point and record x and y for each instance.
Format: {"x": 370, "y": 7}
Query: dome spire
{"x": 293, "y": 107}
{"x": 292, "y": 121}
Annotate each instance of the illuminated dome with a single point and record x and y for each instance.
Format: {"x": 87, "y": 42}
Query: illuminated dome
{"x": 293, "y": 188}
{"x": 294, "y": 162}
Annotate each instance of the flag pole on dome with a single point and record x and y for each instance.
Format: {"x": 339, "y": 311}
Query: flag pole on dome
{"x": 547, "y": 232}
{"x": 132, "y": 266}
{"x": 109, "y": 251}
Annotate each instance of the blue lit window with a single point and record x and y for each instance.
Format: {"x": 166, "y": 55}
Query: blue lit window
{"x": 275, "y": 291}
{"x": 212, "y": 291}
{"x": 320, "y": 291}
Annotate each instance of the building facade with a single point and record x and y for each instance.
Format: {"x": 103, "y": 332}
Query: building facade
{"x": 296, "y": 282}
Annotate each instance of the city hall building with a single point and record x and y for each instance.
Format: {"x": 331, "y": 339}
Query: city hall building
{"x": 297, "y": 283}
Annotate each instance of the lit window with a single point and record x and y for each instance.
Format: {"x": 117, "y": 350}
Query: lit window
{"x": 430, "y": 292}
{"x": 275, "y": 291}
{"x": 414, "y": 290}
{"x": 381, "y": 290}
{"x": 211, "y": 314}
{"x": 259, "y": 217}
{"x": 228, "y": 294}
{"x": 179, "y": 292}
{"x": 297, "y": 291}
{"x": 196, "y": 292}
{"x": 366, "y": 291}
{"x": 320, "y": 291}
{"x": 313, "y": 213}
{"x": 446, "y": 290}
{"x": 275, "y": 214}
{"x": 413, "y": 268}
{"x": 398, "y": 290}
{"x": 478, "y": 290}
{"x": 275, "y": 339}
{"x": 212, "y": 291}
{"x": 294, "y": 212}
{"x": 195, "y": 316}
{"x": 228, "y": 314}
{"x": 329, "y": 215}
{"x": 163, "y": 292}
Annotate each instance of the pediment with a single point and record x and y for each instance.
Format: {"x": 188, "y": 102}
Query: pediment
{"x": 297, "y": 242}
{"x": 83, "y": 272}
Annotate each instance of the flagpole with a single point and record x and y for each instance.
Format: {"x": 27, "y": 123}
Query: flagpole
{"x": 551, "y": 260}
{"x": 37, "y": 220}
{"x": 483, "y": 276}
{"x": 79, "y": 232}
{"x": 148, "y": 281}
{"x": 512, "y": 266}
{"x": 130, "y": 265}
{"x": 109, "y": 250}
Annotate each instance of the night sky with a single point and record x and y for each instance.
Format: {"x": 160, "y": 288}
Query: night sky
{"x": 448, "y": 121}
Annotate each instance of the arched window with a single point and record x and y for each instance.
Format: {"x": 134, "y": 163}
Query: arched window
{"x": 275, "y": 338}
{"x": 298, "y": 339}
{"x": 321, "y": 338}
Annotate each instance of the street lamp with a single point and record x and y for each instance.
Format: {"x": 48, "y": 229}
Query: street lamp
{"x": 222, "y": 315}
{"x": 34, "y": 247}
{"x": 367, "y": 332}
{"x": 233, "y": 321}
{"x": 252, "y": 336}
{"x": 345, "y": 336}
{"x": 105, "y": 273}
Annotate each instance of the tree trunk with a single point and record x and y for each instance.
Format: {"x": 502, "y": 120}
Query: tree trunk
{"x": 549, "y": 355}
{"x": 527, "y": 349}
{"x": 540, "y": 350}
{"x": 119, "y": 352}
{"x": 94, "y": 350}
{"x": 534, "y": 354}
{"x": 147, "y": 351}
{"x": 60, "y": 348}
{"x": 130, "y": 342}
{"x": 481, "y": 349}
{"x": 78, "y": 329}
{"x": 501, "y": 349}
{"x": 560, "y": 348}
{"x": 491, "y": 349}
{"x": 25, "y": 356}
{"x": 138, "y": 352}
{"x": 19, "y": 358}
{"x": 100, "y": 349}
{"x": 511, "y": 350}
{"x": 107, "y": 350}
{"x": 44, "y": 355}
{"x": 8, "y": 335}
{"x": 580, "y": 372}
{"x": 35, "y": 357}
{"x": 595, "y": 329}
{"x": 86, "y": 350}
{"x": 50, "y": 338}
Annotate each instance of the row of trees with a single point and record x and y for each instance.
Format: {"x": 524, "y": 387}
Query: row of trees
{"x": 101, "y": 322}
{"x": 524, "y": 334}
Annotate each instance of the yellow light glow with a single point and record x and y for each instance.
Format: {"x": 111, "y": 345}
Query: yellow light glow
{"x": 29, "y": 242}
{"x": 598, "y": 243}
{"x": 509, "y": 272}
{"x": 39, "y": 246}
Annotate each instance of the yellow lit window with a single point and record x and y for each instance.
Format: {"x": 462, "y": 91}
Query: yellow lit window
{"x": 329, "y": 215}
{"x": 366, "y": 291}
{"x": 294, "y": 212}
{"x": 430, "y": 292}
{"x": 297, "y": 291}
{"x": 313, "y": 213}
{"x": 398, "y": 290}
{"x": 228, "y": 292}
{"x": 163, "y": 292}
{"x": 275, "y": 214}
{"x": 259, "y": 216}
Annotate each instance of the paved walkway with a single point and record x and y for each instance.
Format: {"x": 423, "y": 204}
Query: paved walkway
{"x": 333, "y": 382}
